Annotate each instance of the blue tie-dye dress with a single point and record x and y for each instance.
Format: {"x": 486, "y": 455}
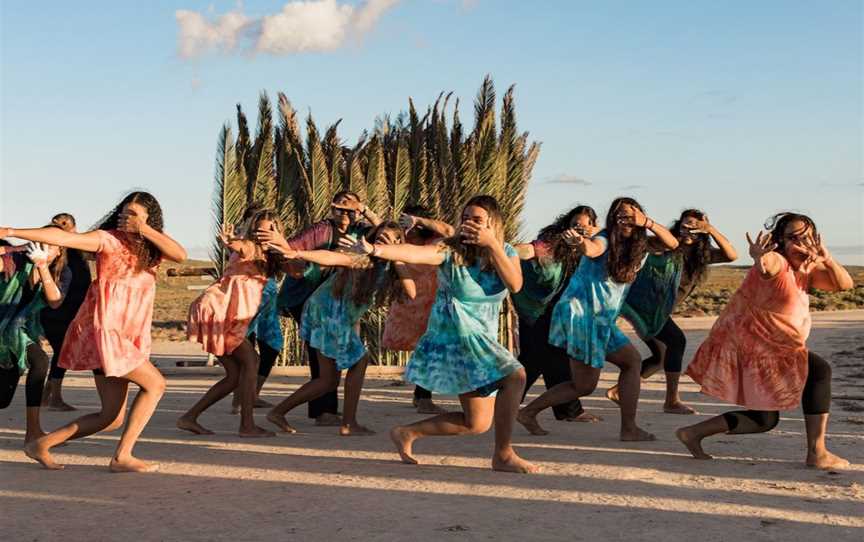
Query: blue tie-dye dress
{"x": 460, "y": 351}
{"x": 583, "y": 320}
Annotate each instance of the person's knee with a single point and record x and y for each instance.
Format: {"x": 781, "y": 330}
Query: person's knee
{"x": 332, "y": 380}
{"x": 770, "y": 420}
{"x": 158, "y": 386}
{"x": 477, "y": 425}
{"x": 116, "y": 422}
{"x": 518, "y": 378}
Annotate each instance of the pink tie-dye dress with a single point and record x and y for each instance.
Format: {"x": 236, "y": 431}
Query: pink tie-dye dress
{"x": 111, "y": 331}
{"x": 756, "y": 353}
{"x": 219, "y": 319}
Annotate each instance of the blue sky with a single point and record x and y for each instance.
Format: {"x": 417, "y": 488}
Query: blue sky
{"x": 740, "y": 108}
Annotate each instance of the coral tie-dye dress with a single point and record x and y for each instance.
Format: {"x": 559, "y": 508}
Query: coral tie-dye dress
{"x": 111, "y": 331}
{"x": 756, "y": 353}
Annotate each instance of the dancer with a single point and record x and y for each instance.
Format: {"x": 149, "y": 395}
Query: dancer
{"x": 460, "y": 353}
{"x": 667, "y": 279}
{"x": 756, "y": 354}
{"x": 330, "y": 323}
{"x": 111, "y": 332}
{"x": 29, "y": 281}
{"x": 547, "y": 264}
{"x": 583, "y": 320}
{"x": 303, "y": 278}
{"x": 219, "y": 319}
{"x": 407, "y": 319}
{"x": 55, "y": 322}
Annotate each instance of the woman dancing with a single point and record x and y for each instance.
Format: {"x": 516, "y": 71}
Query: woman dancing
{"x": 407, "y": 318}
{"x": 583, "y": 321}
{"x": 330, "y": 323}
{"x": 29, "y": 281}
{"x": 756, "y": 354}
{"x": 56, "y": 322}
{"x": 460, "y": 353}
{"x": 110, "y": 335}
{"x": 667, "y": 279}
{"x": 547, "y": 265}
{"x": 219, "y": 319}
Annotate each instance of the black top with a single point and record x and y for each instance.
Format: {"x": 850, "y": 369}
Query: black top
{"x": 78, "y": 286}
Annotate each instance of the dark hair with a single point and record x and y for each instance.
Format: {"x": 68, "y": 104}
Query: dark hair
{"x": 697, "y": 255}
{"x": 65, "y": 220}
{"x": 551, "y": 235}
{"x": 57, "y": 265}
{"x": 364, "y": 279}
{"x": 148, "y": 254}
{"x": 345, "y": 194}
{"x": 625, "y": 254}
{"x": 272, "y": 266}
{"x": 468, "y": 255}
{"x": 778, "y": 223}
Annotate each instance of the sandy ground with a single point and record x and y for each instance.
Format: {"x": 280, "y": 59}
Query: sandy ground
{"x": 316, "y": 485}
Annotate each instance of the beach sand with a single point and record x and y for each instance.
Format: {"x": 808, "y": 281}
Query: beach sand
{"x": 315, "y": 485}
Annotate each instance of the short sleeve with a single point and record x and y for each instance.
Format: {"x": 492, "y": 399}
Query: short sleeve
{"x": 108, "y": 242}
{"x": 510, "y": 251}
{"x": 603, "y": 238}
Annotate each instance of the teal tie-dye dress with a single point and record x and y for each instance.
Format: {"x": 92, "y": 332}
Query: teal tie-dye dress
{"x": 329, "y": 323}
{"x": 583, "y": 320}
{"x": 460, "y": 352}
{"x": 266, "y": 325}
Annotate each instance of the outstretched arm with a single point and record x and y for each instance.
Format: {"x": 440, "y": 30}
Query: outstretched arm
{"x": 170, "y": 249}
{"x": 767, "y": 262}
{"x": 88, "y": 242}
{"x": 327, "y": 258}
{"x": 403, "y": 252}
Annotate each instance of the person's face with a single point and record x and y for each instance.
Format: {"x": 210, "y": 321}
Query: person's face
{"x": 266, "y": 225}
{"x": 136, "y": 209}
{"x": 624, "y": 216}
{"x": 342, "y": 217}
{"x": 796, "y": 238}
{"x": 583, "y": 224}
{"x": 476, "y": 215}
{"x": 388, "y": 237}
{"x": 685, "y": 236}
{"x": 53, "y": 251}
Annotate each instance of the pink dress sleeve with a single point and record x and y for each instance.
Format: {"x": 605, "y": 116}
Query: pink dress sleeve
{"x": 107, "y": 243}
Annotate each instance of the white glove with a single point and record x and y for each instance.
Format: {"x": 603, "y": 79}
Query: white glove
{"x": 36, "y": 253}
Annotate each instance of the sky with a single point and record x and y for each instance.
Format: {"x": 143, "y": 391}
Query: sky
{"x": 743, "y": 109}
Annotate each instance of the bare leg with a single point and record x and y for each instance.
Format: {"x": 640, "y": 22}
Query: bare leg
{"x": 476, "y": 418}
{"x": 219, "y": 390}
{"x": 650, "y": 366}
{"x": 628, "y": 361}
{"x": 673, "y": 404}
{"x": 152, "y": 387}
{"x": 817, "y": 453}
{"x": 112, "y": 393}
{"x": 327, "y": 381}
{"x": 507, "y": 402}
{"x": 584, "y": 383}
{"x": 247, "y": 359}
{"x": 353, "y": 386}
{"x": 692, "y": 436}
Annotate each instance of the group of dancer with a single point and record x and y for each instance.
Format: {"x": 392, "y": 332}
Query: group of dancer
{"x": 445, "y": 286}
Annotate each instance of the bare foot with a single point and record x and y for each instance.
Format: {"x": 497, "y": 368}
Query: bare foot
{"x": 30, "y": 437}
{"x": 355, "y": 430}
{"x": 636, "y": 435}
{"x": 692, "y": 443}
{"x": 60, "y": 406}
{"x": 38, "y": 452}
{"x": 280, "y": 422}
{"x": 612, "y": 395}
{"x": 403, "y": 439}
{"x": 585, "y": 417}
{"x": 530, "y": 423}
{"x": 426, "y": 406}
{"x": 131, "y": 464}
{"x": 678, "y": 408}
{"x": 188, "y": 424}
{"x": 328, "y": 419}
{"x": 255, "y": 432}
{"x": 261, "y": 403}
{"x": 826, "y": 461}
{"x": 513, "y": 463}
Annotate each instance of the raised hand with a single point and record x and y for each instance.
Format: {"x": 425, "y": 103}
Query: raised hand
{"x": 818, "y": 253}
{"x": 358, "y": 245}
{"x": 573, "y": 238}
{"x": 699, "y": 226}
{"x": 761, "y": 246}
{"x": 130, "y": 223}
{"x": 407, "y": 222}
{"x": 473, "y": 234}
{"x": 37, "y": 253}
{"x": 227, "y": 233}
{"x": 270, "y": 237}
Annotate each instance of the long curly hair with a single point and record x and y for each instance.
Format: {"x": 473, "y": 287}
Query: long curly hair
{"x": 148, "y": 254}
{"x": 271, "y": 266}
{"x": 777, "y": 224}
{"x": 697, "y": 255}
{"x": 363, "y": 281}
{"x": 468, "y": 255}
{"x": 625, "y": 254}
{"x": 551, "y": 235}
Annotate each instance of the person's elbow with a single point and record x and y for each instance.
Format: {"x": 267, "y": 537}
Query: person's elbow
{"x": 515, "y": 285}
{"x": 177, "y": 255}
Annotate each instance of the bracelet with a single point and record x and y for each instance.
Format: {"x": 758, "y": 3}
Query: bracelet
{"x": 647, "y": 227}
{"x": 376, "y": 251}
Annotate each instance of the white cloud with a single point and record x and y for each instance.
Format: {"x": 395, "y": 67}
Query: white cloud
{"x": 569, "y": 179}
{"x": 300, "y": 26}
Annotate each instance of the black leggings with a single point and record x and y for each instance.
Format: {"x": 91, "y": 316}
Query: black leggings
{"x": 816, "y": 399}
{"x": 675, "y": 342}
{"x": 541, "y": 358}
{"x": 329, "y": 402}
{"x": 55, "y": 333}
{"x": 35, "y": 379}
{"x": 422, "y": 393}
{"x": 267, "y": 357}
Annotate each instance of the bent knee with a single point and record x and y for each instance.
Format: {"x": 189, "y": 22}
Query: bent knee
{"x": 117, "y": 422}
{"x": 477, "y": 427}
